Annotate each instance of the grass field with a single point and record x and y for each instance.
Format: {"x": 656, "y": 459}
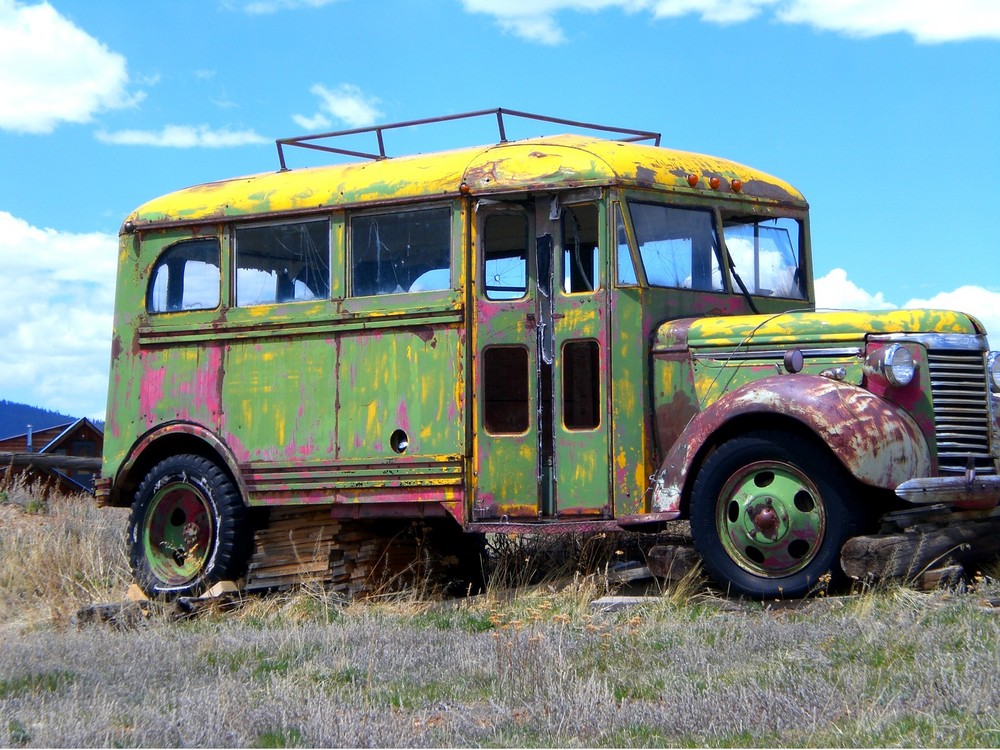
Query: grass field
{"x": 535, "y": 666}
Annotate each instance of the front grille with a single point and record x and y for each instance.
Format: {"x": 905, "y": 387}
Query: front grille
{"x": 961, "y": 410}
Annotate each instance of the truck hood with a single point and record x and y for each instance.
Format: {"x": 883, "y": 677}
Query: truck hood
{"x": 805, "y": 328}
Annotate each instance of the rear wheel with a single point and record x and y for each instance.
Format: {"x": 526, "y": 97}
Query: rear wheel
{"x": 188, "y": 528}
{"x": 769, "y": 514}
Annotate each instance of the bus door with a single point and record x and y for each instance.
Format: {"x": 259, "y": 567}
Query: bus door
{"x": 541, "y": 404}
{"x": 581, "y": 383}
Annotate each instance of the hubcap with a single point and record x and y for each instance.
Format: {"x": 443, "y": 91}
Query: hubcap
{"x": 177, "y": 532}
{"x": 771, "y": 519}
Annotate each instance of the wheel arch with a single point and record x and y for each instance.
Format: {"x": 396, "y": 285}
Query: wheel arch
{"x": 172, "y": 439}
{"x": 876, "y": 442}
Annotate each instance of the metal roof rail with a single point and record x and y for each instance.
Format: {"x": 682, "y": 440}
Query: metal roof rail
{"x": 309, "y": 141}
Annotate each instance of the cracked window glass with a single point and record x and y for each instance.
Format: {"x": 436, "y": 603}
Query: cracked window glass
{"x": 402, "y": 251}
{"x": 282, "y": 263}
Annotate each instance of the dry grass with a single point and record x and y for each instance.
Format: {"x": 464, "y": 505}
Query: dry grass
{"x": 537, "y": 666}
{"x": 57, "y": 555}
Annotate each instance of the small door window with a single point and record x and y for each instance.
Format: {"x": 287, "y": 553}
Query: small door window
{"x": 581, "y": 385}
{"x": 505, "y": 256}
{"x": 581, "y": 258}
{"x": 506, "y": 403}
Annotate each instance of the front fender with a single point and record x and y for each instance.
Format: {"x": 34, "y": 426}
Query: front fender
{"x": 877, "y": 442}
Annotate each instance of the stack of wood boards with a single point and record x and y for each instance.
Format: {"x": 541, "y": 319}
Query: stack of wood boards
{"x": 308, "y": 546}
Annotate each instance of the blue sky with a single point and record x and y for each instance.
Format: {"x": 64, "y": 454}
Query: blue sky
{"x": 884, "y": 113}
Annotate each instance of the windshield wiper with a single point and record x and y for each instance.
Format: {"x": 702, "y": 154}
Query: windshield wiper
{"x": 742, "y": 286}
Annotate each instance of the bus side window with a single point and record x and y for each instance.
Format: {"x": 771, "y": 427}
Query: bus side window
{"x": 403, "y": 251}
{"x": 505, "y": 256}
{"x": 282, "y": 263}
{"x": 186, "y": 276}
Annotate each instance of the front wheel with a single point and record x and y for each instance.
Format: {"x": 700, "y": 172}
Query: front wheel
{"x": 188, "y": 528}
{"x": 769, "y": 514}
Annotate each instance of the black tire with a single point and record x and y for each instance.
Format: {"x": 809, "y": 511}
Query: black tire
{"x": 769, "y": 514}
{"x": 188, "y": 528}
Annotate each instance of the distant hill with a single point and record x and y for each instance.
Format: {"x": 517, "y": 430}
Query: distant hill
{"x": 15, "y": 418}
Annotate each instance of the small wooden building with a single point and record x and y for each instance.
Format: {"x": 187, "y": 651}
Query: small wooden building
{"x": 81, "y": 438}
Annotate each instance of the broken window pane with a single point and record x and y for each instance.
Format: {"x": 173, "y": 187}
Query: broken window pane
{"x": 403, "y": 251}
{"x": 185, "y": 277}
{"x": 283, "y": 263}
{"x": 505, "y": 257}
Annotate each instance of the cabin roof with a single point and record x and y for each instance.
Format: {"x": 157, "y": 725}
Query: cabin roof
{"x": 536, "y": 164}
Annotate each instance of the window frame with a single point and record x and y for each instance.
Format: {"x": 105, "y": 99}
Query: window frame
{"x": 234, "y": 232}
{"x": 350, "y": 250}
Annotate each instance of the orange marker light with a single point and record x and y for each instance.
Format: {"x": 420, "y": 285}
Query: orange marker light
{"x": 693, "y": 180}
{"x": 714, "y": 182}
{"x": 737, "y": 186}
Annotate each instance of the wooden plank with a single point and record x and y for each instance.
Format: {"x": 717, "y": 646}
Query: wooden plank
{"x": 273, "y": 570}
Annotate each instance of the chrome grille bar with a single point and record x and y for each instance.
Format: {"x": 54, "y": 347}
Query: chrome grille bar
{"x": 961, "y": 410}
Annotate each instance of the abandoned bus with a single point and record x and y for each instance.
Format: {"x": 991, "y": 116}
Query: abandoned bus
{"x": 566, "y": 333}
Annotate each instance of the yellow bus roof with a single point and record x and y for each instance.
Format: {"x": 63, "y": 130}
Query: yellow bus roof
{"x": 539, "y": 164}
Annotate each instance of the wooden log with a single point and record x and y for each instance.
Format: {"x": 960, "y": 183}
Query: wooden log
{"x": 672, "y": 562}
{"x": 909, "y": 554}
{"x": 51, "y": 461}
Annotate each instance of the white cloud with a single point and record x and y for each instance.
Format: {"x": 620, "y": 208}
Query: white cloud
{"x": 182, "y": 136}
{"x": 346, "y": 103}
{"x": 55, "y": 323}
{"x": 925, "y": 20}
{"x": 53, "y": 72}
{"x": 928, "y": 21}
{"x": 837, "y": 292}
{"x": 260, "y": 7}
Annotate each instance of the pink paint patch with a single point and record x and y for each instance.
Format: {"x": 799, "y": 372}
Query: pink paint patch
{"x": 207, "y": 392}
{"x": 402, "y": 420}
{"x": 151, "y": 393}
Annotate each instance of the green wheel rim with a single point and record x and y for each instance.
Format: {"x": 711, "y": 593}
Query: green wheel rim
{"x": 771, "y": 519}
{"x": 177, "y": 533}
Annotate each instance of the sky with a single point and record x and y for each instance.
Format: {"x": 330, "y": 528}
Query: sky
{"x": 884, "y": 113}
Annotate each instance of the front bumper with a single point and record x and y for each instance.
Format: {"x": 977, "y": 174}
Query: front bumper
{"x": 969, "y": 492}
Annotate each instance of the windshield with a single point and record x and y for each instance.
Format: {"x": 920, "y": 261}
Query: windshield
{"x": 678, "y": 246}
{"x": 765, "y": 253}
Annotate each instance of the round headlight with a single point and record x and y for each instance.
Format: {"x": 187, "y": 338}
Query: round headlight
{"x": 993, "y": 366}
{"x": 897, "y": 365}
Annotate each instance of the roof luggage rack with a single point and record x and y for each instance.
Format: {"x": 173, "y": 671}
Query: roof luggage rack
{"x": 310, "y": 141}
